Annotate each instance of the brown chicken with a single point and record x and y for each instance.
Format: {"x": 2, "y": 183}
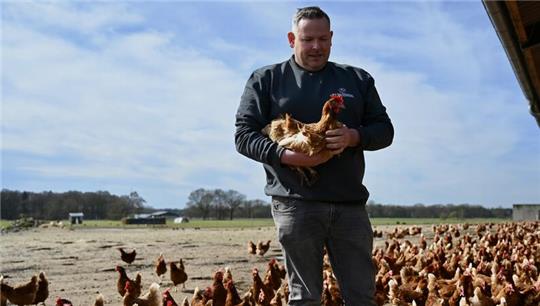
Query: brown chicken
{"x": 247, "y": 300}
{"x": 151, "y": 298}
{"x": 168, "y": 300}
{"x": 252, "y": 248}
{"x": 127, "y": 257}
{"x": 161, "y": 265}
{"x": 479, "y": 299}
{"x": 263, "y": 247}
{"x": 3, "y": 298}
{"x": 200, "y": 298}
{"x": 123, "y": 279}
{"x": 227, "y": 277}
{"x": 307, "y": 138}
{"x": 277, "y": 300}
{"x": 233, "y": 298}
{"x": 219, "y": 293}
{"x": 273, "y": 274}
{"x": 23, "y": 294}
{"x": 185, "y": 302}
{"x": 178, "y": 274}
{"x": 63, "y": 302}
{"x": 42, "y": 292}
{"x": 259, "y": 286}
{"x": 99, "y": 300}
{"x": 327, "y": 298}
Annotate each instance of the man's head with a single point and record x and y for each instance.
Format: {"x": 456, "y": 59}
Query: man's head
{"x": 311, "y": 38}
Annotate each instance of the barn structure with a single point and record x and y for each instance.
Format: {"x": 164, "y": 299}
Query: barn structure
{"x": 76, "y": 217}
{"x": 517, "y": 24}
{"x": 523, "y": 212}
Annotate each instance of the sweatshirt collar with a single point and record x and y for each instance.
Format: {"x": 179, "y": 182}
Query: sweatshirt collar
{"x": 299, "y": 68}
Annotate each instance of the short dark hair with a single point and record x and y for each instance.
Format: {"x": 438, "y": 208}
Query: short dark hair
{"x": 309, "y": 12}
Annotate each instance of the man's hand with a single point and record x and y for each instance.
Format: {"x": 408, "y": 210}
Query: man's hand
{"x": 298, "y": 159}
{"x": 339, "y": 139}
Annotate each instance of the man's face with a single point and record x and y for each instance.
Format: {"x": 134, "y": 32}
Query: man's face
{"x": 311, "y": 43}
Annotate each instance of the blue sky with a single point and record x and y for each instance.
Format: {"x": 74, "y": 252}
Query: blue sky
{"x": 141, "y": 96}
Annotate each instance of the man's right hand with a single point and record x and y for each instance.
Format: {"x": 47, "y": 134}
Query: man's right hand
{"x": 292, "y": 158}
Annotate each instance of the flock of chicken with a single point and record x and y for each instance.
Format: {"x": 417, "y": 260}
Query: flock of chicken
{"x": 222, "y": 292}
{"x": 492, "y": 265}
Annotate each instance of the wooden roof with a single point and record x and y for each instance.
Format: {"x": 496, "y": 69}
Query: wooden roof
{"x": 518, "y": 26}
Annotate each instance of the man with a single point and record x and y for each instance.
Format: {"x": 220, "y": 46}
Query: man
{"x": 331, "y": 212}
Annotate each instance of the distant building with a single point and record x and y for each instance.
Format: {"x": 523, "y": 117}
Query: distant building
{"x": 164, "y": 214}
{"x": 157, "y": 214}
{"x": 525, "y": 212}
{"x": 141, "y": 216}
{"x": 181, "y": 220}
{"x": 76, "y": 218}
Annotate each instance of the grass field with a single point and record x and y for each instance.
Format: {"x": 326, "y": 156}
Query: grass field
{"x": 247, "y": 223}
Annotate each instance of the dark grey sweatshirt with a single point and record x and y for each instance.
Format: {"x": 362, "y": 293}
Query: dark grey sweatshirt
{"x": 287, "y": 88}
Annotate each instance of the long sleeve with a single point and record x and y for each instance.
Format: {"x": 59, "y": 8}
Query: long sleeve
{"x": 377, "y": 131}
{"x": 252, "y": 116}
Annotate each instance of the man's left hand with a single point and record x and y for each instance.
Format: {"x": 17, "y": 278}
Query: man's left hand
{"x": 339, "y": 139}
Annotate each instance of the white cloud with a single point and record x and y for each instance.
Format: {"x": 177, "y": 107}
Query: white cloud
{"x": 99, "y": 93}
{"x": 138, "y": 107}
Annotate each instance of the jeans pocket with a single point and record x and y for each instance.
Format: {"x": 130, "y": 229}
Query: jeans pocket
{"x": 283, "y": 206}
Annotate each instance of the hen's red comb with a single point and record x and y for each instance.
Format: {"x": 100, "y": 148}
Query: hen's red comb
{"x": 337, "y": 97}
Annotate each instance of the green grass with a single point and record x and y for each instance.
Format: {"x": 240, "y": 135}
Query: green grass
{"x": 4, "y": 223}
{"x": 250, "y": 223}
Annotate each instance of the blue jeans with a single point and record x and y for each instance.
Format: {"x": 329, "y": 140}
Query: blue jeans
{"x": 304, "y": 228}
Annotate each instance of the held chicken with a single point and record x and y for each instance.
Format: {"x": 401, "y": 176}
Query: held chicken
{"x": 127, "y": 257}
{"x": 23, "y": 294}
{"x": 307, "y": 138}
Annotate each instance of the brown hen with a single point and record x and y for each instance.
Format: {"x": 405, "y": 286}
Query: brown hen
{"x": 23, "y": 294}
{"x": 307, "y": 138}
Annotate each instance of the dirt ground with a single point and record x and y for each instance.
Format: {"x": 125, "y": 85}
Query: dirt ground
{"x": 79, "y": 263}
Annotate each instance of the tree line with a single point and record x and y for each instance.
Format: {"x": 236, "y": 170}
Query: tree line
{"x": 48, "y": 205}
{"x": 446, "y": 211}
{"x": 202, "y": 203}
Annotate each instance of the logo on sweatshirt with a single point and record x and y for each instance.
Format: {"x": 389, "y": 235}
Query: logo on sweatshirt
{"x": 343, "y": 92}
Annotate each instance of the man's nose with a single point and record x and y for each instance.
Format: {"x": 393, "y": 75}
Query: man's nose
{"x": 316, "y": 45}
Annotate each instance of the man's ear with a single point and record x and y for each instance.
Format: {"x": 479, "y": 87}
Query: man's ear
{"x": 290, "y": 37}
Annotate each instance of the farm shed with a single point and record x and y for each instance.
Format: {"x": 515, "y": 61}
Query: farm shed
{"x": 76, "y": 218}
{"x": 144, "y": 221}
{"x": 181, "y": 220}
{"x": 522, "y": 212}
{"x": 164, "y": 214}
